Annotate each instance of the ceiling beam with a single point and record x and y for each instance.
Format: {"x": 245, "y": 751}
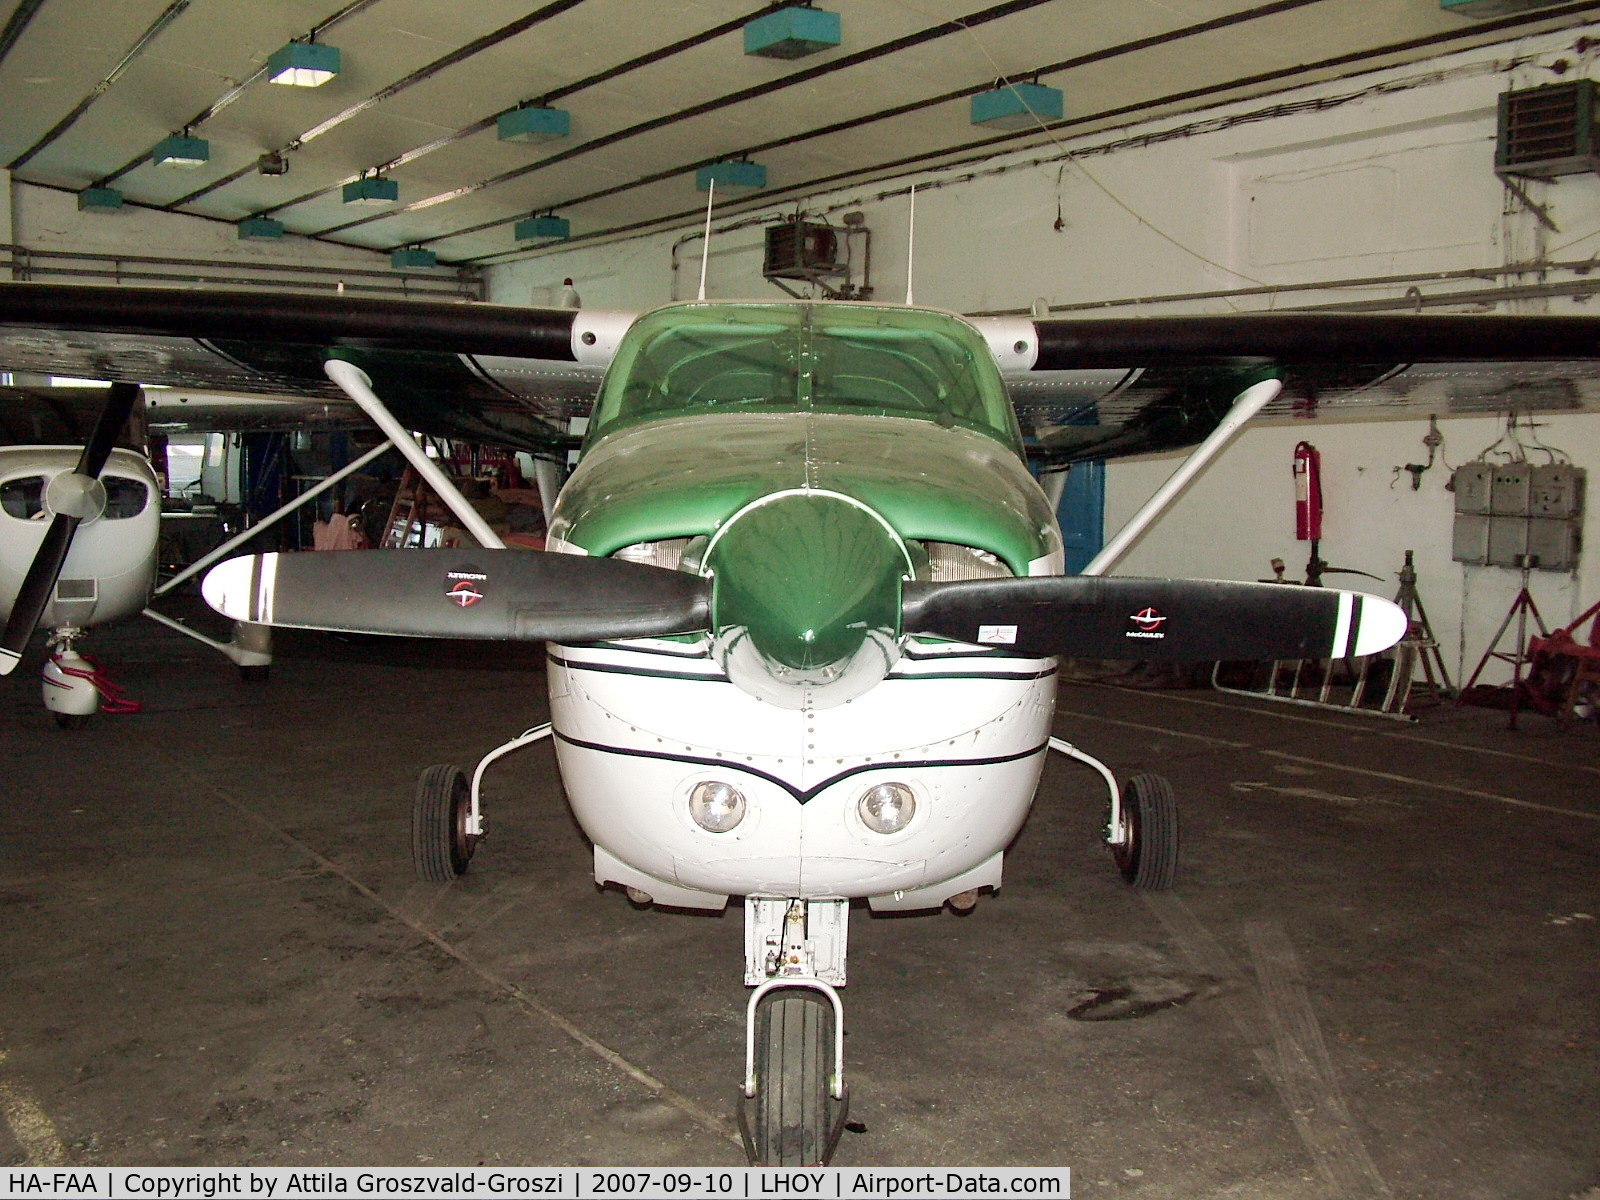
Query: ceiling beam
{"x": 157, "y": 28}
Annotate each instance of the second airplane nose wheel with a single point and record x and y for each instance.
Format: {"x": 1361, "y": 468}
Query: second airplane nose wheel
{"x": 1149, "y": 858}
{"x": 441, "y": 845}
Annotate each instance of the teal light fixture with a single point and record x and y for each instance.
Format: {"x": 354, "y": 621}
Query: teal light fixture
{"x": 371, "y": 190}
{"x": 263, "y": 229}
{"x": 533, "y": 124}
{"x": 412, "y": 258}
{"x": 545, "y": 228}
{"x": 1016, "y": 106}
{"x": 732, "y": 177}
{"x": 181, "y": 150}
{"x": 303, "y": 64}
{"x": 1483, "y": 10}
{"x": 99, "y": 199}
{"x": 792, "y": 32}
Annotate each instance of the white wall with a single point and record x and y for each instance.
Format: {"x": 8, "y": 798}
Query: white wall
{"x": 1383, "y": 174}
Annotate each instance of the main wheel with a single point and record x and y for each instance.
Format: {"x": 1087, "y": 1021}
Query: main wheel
{"x": 793, "y": 1060}
{"x": 441, "y": 847}
{"x": 1149, "y": 860}
{"x": 71, "y": 720}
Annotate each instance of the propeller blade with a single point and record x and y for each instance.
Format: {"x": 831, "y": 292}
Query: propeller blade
{"x": 33, "y": 596}
{"x": 505, "y": 595}
{"x": 1165, "y": 620}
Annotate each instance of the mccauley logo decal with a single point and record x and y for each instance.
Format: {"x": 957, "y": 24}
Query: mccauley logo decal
{"x": 1149, "y": 622}
{"x": 461, "y": 587}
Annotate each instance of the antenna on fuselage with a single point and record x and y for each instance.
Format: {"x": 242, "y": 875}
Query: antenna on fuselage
{"x": 911, "y": 243}
{"x": 705, "y": 247}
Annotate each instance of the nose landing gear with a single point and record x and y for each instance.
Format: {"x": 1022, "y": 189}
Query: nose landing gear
{"x": 793, "y": 1105}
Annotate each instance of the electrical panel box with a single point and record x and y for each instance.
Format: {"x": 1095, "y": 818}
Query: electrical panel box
{"x": 1471, "y": 484}
{"x": 1554, "y": 542}
{"x": 1517, "y": 514}
{"x": 1508, "y": 492}
{"x": 1556, "y": 490}
{"x": 1548, "y": 131}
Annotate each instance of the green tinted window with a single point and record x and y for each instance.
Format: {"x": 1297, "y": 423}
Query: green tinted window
{"x": 795, "y": 357}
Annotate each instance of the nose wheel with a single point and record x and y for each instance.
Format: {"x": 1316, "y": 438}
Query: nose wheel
{"x": 794, "y": 1106}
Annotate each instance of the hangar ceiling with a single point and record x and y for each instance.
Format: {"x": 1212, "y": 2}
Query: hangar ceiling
{"x": 655, "y": 90}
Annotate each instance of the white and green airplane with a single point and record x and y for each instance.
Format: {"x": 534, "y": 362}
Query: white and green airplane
{"x": 806, "y": 601}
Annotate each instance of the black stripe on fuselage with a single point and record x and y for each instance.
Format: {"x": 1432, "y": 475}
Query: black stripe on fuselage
{"x": 800, "y": 796}
{"x": 648, "y": 673}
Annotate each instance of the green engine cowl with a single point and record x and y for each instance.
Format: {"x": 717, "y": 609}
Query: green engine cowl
{"x": 810, "y": 580}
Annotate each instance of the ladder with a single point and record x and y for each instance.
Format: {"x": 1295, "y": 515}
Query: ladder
{"x": 408, "y": 515}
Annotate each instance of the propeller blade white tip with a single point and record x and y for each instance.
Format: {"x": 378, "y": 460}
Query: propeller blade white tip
{"x": 8, "y": 661}
{"x": 1382, "y": 625}
{"x": 230, "y": 587}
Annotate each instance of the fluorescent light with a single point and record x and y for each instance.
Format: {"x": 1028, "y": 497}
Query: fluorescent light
{"x": 303, "y": 64}
{"x": 547, "y": 228}
{"x": 181, "y": 150}
{"x": 533, "y": 124}
{"x": 412, "y": 256}
{"x": 371, "y": 190}
{"x": 260, "y": 229}
{"x": 730, "y": 177}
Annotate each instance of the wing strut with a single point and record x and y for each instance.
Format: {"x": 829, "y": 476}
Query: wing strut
{"x": 1246, "y": 405}
{"x": 356, "y": 384}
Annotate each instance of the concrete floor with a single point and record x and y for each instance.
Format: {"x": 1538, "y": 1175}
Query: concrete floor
{"x": 1379, "y": 974}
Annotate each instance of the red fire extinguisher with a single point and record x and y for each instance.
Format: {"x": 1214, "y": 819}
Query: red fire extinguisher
{"x": 1307, "y": 493}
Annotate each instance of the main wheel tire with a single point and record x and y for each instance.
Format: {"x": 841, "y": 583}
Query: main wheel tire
{"x": 441, "y": 847}
{"x": 71, "y": 721}
{"x": 1149, "y": 860}
{"x": 794, "y": 1058}
{"x": 255, "y": 674}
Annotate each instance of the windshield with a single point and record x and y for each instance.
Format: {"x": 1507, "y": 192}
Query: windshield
{"x": 840, "y": 358}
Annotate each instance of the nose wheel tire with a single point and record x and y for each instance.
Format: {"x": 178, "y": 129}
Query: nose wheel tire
{"x": 1149, "y": 859}
{"x": 441, "y": 847}
{"x": 793, "y": 1121}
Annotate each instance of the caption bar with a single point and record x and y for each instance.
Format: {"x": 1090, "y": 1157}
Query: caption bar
{"x": 569, "y": 1183}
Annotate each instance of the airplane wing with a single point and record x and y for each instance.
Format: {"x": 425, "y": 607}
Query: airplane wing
{"x": 480, "y": 372}
{"x": 1083, "y": 388}
{"x": 1101, "y": 388}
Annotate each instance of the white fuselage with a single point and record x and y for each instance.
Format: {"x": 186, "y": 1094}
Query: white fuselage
{"x": 638, "y": 725}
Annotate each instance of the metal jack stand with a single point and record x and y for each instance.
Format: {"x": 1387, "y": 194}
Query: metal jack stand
{"x": 1418, "y": 647}
{"x": 1518, "y": 656}
{"x": 1292, "y": 682}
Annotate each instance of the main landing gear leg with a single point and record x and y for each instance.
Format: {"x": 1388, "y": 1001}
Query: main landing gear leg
{"x": 793, "y": 1104}
{"x": 1143, "y": 827}
{"x": 446, "y": 820}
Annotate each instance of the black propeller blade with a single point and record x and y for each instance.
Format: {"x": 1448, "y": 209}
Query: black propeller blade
{"x": 75, "y": 501}
{"x": 1165, "y": 620}
{"x": 505, "y": 595}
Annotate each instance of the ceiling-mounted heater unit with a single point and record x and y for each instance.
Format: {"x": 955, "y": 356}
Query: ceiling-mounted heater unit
{"x": 1547, "y": 131}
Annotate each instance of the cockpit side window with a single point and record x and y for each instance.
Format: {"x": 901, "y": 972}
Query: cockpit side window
{"x": 23, "y": 498}
{"x": 124, "y": 497}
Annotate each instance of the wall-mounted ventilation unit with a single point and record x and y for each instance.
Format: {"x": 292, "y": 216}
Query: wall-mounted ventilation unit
{"x": 1547, "y": 131}
{"x": 817, "y": 253}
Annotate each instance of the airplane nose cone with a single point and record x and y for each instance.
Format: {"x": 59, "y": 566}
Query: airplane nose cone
{"x": 808, "y": 575}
